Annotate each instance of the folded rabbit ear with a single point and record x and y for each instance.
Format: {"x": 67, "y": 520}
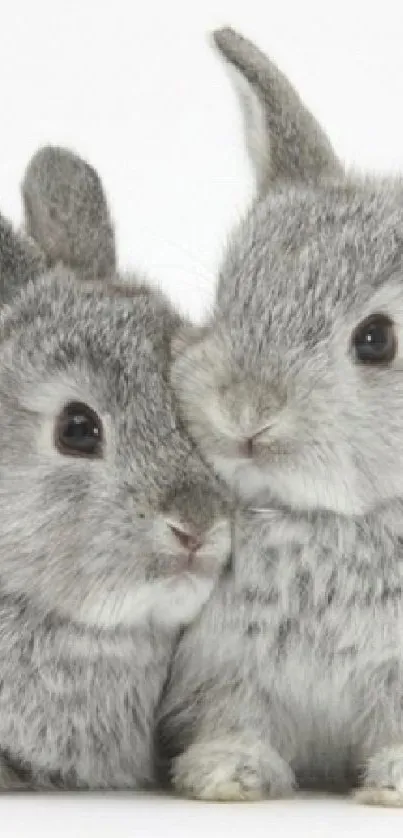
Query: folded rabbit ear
{"x": 21, "y": 260}
{"x": 283, "y": 138}
{"x": 67, "y": 214}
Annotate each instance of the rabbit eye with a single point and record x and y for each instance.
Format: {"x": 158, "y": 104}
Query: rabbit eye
{"x": 78, "y": 431}
{"x": 374, "y": 340}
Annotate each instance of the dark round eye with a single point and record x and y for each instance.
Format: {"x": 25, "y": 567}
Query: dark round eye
{"x": 78, "y": 431}
{"x": 374, "y": 340}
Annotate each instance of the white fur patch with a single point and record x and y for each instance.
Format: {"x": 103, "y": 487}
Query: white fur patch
{"x": 383, "y": 779}
{"x": 234, "y": 768}
{"x": 301, "y": 489}
{"x": 368, "y": 796}
{"x": 167, "y": 602}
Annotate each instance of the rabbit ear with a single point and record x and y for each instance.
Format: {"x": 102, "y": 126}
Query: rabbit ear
{"x": 20, "y": 261}
{"x": 67, "y": 214}
{"x": 283, "y": 138}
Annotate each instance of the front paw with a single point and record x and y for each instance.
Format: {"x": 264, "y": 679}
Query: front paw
{"x": 232, "y": 769}
{"x": 383, "y": 779}
{"x": 10, "y": 780}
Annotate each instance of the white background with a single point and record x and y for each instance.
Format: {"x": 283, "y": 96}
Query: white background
{"x": 136, "y": 88}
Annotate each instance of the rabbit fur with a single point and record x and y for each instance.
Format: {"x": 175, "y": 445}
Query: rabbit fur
{"x": 305, "y": 687}
{"x": 105, "y": 557}
{"x": 66, "y": 213}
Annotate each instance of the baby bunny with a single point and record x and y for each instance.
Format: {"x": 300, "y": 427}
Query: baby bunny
{"x": 112, "y": 530}
{"x": 295, "y": 393}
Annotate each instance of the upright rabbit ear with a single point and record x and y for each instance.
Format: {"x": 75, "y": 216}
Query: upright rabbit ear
{"x": 283, "y": 138}
{"x": 67, "y": 214}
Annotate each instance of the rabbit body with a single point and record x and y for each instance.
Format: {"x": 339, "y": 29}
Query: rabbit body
{"x": 294, "y": 392}
{"x": 293, "y": 673}
{"x": 113, "y": 529}
{"x": 94, "y": 583}
{"x": 76, "y": 705}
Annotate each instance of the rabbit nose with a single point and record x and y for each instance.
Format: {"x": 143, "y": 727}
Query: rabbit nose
{"x": 247, "y": 446}
{"x": 189, "y": 540}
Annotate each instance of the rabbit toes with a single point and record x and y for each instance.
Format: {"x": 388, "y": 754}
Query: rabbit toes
{"x": 383, "y": 779}
{"x": 232, "y": 769}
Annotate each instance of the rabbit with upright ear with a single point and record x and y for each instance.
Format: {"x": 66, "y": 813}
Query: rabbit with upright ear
{"x": 295, "y": 393}
{"x": 112, "y": 532}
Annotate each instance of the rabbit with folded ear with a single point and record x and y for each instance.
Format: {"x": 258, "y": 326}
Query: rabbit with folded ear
{"x": 113, "y": 530}
{"x": 295, "y": 393}
{"x": 67, "y": 214}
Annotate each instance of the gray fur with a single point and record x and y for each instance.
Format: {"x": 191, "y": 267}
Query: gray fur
{"x": 283, "y": 138}
{"x": 94, "y": 585}
{"x": 66, "y": 219}
{"x": 308, "y": 670}
{"x": 20, "y": 260}
{"x": 66, "y": 212}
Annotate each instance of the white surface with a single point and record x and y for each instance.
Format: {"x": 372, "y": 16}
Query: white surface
{"x": 135, "y": 87}
{"x": 138, "y": 817}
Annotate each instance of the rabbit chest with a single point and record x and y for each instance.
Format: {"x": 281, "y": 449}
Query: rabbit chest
{"x": 76, "y": 708}
{"x": 305, "y": 643}
{"x": 321, "y": 608}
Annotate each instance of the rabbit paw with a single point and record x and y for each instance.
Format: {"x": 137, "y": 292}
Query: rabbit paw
{"x": 232, "y": 769}
{"x": 10, "y": 780}
{"x": 383, "y": 779}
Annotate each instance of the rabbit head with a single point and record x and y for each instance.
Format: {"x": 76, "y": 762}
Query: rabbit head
{"x": 294, "y": 390}
{"x": 109, "y": 515}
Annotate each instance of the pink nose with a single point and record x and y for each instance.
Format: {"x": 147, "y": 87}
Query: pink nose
{"x": 186, "y": 539}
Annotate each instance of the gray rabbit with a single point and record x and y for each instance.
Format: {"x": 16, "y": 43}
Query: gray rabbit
{"x": 112, "y": 528}
{"x": 292, "y": 676}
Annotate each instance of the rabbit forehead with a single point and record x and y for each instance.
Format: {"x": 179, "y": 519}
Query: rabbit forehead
{"x": 68, "y": 342}
{"x": 303, "y": 256}
{"x": 58, "y": 316}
